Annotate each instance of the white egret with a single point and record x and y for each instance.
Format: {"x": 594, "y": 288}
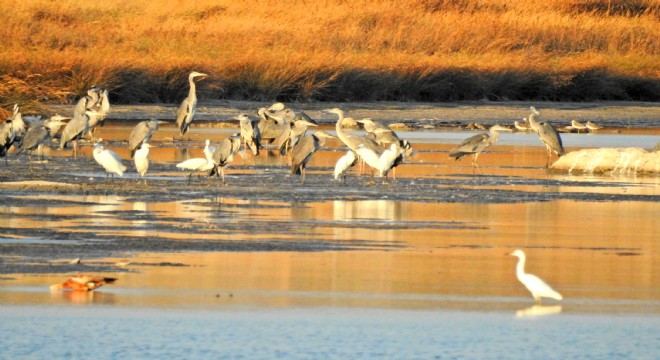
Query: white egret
{"x": 533, "y": 283}
{"x": 141, "y": 158}
{"x": 344, "y": 163}
{"x": 109, "y": 159}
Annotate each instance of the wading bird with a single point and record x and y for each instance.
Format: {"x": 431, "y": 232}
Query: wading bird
{"x": 250, "y": 135}
{"x": 548, "y": 134}
{"x": 75, "y": 130}
{"x": 224, "y": 154}
{"x": 101, "y": 108}
{"x": 6, "y": 138}
{"x": 533, "y": 283}
{"x": 199, "y": 164}
{"x": 383, "y": 160}
{"x": 109, "y": 159}
{"x": 142, "y": 133}
{"x": 302, "y": 152}
{"x": 83, "y": 283}
{"x": 186, "y": 112}
{"x": 344, "y": 163}
{"x": 523, "y": 127}
{"x": 593, "y": 127}
{"x": 38, "y": 135}
{"x": 141, "y": 160}
{"x": 474, "y": 145}
{"x": 578, "y": 125}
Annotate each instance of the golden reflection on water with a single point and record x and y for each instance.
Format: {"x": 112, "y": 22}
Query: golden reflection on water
{"x": 409, "y": 253}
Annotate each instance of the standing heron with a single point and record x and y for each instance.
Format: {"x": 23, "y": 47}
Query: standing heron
{"x": 100, "y": 105}
{"x": 141, "y": 160}
{"x": 250, "y": 134}
{"x": 18, "y": 125}
{"x": 302, "y": 152}
{"x": 350, "y": 140}
{"x": 548, "y": 134}
{"x": 290, "y": 138}
{"x": 75, "y": 130}
{"x": 270, "y": 127}
{"x": 224, "y": 154}
{"x": 109, "y": 160}
{"x": 38, "y": 135}
{"x": 344, "y": 163}
{"x": 7, "y": 136}
{"x": 186, "y": 112}
{"x": 533, "y": 283}
{"x": 142, "y": 133}
{"x": 474, "y": 145}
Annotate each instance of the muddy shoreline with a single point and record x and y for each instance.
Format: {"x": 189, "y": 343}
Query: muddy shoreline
{"x": 33, "y": 185}
{"x": 414, "y": 115}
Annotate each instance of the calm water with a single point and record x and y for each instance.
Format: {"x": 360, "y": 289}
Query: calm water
{"x": 104, "y": 332}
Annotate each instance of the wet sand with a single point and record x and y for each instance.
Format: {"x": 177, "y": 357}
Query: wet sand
{"x": 434, "y": 238}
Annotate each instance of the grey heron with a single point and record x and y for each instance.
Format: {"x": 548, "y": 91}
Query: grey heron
{"x": 533, "y": 283}
{"x": 141, "y": 160}
{"x": 290, "y": 138}
{"x": 7, "y": 136}
{"x": 109, "y": 160}
{"x": 302, "y": 152}
{"x": 224, "y": 154}
{"x": 474, "y": 145}
{"x": 250, "y": 134}
{"x": 270, "y": 127}
{"x": 37, "y": 135}
{"x": 18, "y": 125}
{"x": 548, "y": 135}
{"x": 100, "y": 107}
{"x": 186, "y": 112}
{"x": 142, "y": 133}
{"x": 75, "y": 130}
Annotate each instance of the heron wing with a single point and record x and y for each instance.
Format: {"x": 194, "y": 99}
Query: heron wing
{"x": 539, "y": 287}
{"x": 302, "y": 152}
{"x": 550, "y": 137}
{"x": 470, "y": 145}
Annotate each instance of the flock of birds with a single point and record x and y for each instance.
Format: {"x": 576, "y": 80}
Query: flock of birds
{"x": 284, "y": 128}
{"x": 536, "y": 286}
{"x": 381, "y": 149}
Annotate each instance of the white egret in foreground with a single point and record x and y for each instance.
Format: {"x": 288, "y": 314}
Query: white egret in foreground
{"x": 109, "y": 159}
{"x": 533, "y": 283}
{"x": 141, "y": 158}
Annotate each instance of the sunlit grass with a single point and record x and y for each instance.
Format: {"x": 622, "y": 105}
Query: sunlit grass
{"x": 435, "y": 50}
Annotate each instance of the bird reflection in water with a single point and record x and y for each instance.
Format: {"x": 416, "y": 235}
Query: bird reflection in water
{"x": 83, "y": 297}
{"x": 539, "y": 310}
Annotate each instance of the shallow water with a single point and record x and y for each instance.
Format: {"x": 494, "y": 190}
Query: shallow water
{"x": 340, "y": 276}
{"x": 328, "y": 333}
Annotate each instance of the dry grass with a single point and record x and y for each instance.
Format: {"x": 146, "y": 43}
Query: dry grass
{"x": 433, "y": 50}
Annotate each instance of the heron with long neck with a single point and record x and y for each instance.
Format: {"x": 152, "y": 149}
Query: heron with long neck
{"x": 186, "y": 112}
{"x": 548, "y": 134}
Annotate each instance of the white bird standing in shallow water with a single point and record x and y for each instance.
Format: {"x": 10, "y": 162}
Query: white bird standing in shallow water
{"x": 533, "y": 283}
{"x": 109, "y": 159}
{"x": 344, "y": 163}
{"x": 141, "y": 158}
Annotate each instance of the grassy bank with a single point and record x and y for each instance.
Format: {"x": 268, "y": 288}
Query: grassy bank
{"x": 295, "y": 50}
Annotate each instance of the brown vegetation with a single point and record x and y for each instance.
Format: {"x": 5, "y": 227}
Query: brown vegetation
{"x": 429, "y": 50}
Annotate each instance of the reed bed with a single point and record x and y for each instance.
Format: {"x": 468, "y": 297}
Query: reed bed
{"x": 332, "y": 50}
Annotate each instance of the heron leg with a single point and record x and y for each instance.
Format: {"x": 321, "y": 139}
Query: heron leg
{"x": 75, "y": 148}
